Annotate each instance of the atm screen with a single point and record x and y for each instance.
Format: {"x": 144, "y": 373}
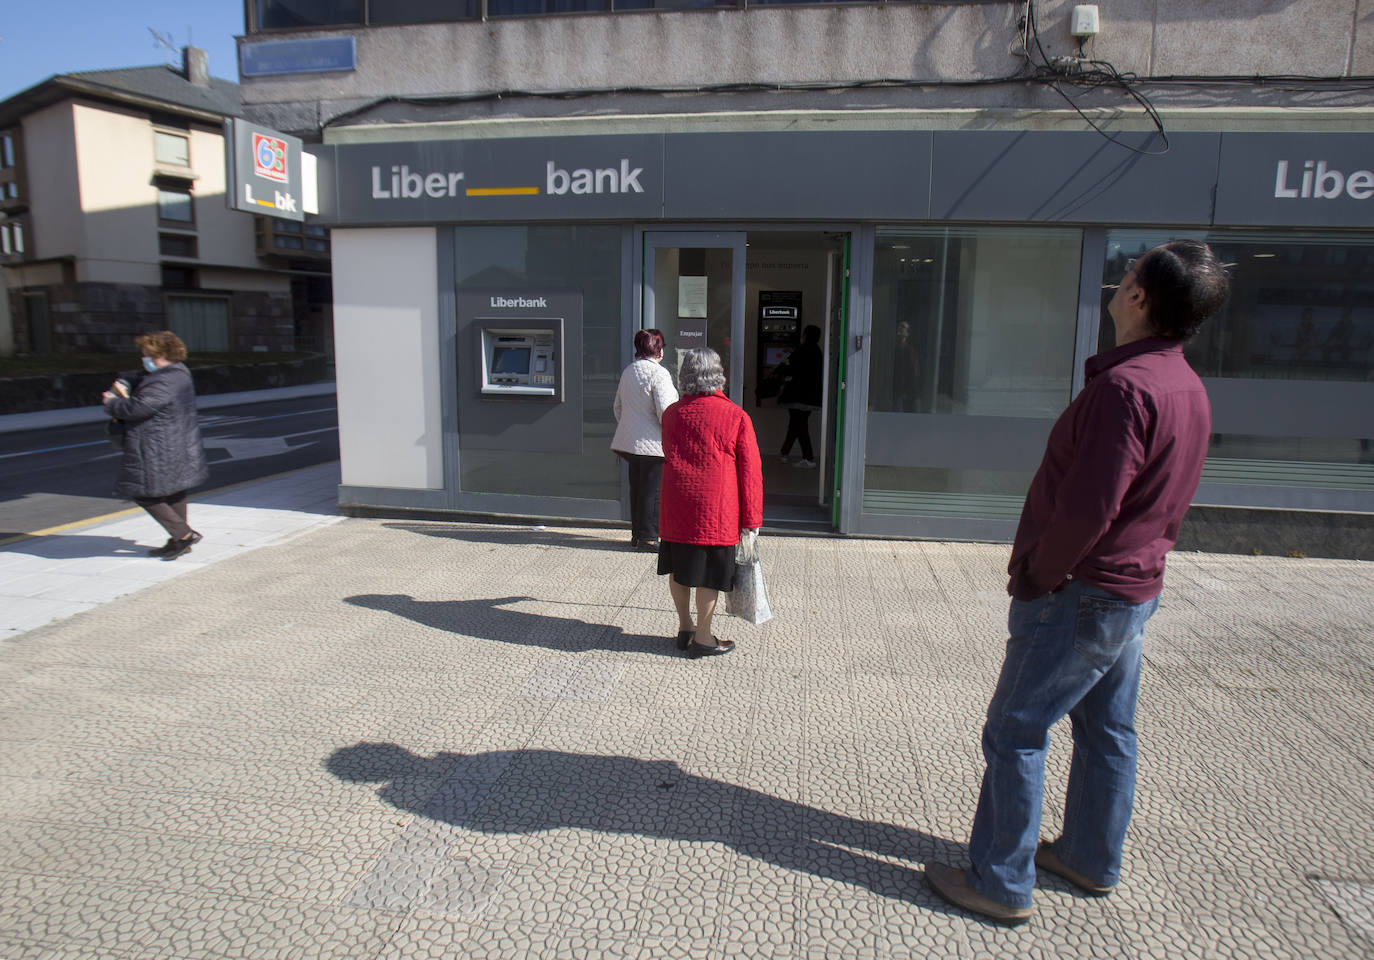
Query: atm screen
{"x": 773, "y": 356}
{"x": 510, "y": 360}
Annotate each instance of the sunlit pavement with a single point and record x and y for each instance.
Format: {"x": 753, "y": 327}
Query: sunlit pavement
{"x": 371, "y": 738}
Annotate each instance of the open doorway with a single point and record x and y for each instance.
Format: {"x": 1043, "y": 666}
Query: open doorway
{"x": 794, "y": 280}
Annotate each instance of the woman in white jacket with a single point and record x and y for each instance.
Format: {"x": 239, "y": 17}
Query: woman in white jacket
{"x": 645, "y": 391}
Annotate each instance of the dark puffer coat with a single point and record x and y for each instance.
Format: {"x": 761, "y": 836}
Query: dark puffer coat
{"x": 163, "y": 454}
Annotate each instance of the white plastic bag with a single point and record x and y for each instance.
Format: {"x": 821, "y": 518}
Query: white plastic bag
{"x": 749, "y": 599}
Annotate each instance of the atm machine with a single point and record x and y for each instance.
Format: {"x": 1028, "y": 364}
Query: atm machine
{"x": 520, "y": 362}
{"x": 779, "y": 328}
{"x": 519, "y": 376}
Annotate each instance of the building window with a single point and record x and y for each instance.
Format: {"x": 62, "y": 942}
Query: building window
{"x": 6, "y": 151}
{"x": 525, "y": 8}
{"x": 174, "y": 204}
{"x": 178, "y": 278}
{"x": 173, "y": 149}
{"x": 295, "y": 14}
{"x": 422, "y": 11}
{"x": 176, "y": 245}
{"x": 11, "y": 240}
{"x": 202, "y": 323}
{"x": 11, "y": 191}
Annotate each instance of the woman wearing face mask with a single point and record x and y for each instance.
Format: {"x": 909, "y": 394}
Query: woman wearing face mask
{"x": 163, "y": 454}
{"x": 645, "y": 391}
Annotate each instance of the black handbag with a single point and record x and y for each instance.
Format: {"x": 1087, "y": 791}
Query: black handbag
{"x": 114, "y": 432}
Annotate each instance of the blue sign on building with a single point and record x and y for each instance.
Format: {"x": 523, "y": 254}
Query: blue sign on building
{"x": 315, "y": 55}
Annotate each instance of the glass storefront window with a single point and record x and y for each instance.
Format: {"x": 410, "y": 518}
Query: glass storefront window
{"x": 1288, "y": 362}
{"x": 1301, "y": 306}
{"x": 963, "y": 316}
{"x": 972, "y": 360}
{"x": 585, "y": 258}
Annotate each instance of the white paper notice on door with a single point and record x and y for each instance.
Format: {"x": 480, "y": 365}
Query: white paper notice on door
{"x": 691, "y": 296}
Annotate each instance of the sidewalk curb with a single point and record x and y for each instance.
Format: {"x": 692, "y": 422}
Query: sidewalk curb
{"x": 43, "y": 419}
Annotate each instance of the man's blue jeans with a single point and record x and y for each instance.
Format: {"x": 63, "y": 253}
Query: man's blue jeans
{"x": 1075, "y": 652}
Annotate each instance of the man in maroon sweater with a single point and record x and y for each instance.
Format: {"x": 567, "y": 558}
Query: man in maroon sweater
{"x": 1120, "y": 468}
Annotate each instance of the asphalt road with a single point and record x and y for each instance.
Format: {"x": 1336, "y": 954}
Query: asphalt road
{"x": 61, "y": 475}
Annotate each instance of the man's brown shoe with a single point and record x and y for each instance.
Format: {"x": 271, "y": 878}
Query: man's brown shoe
{"x": 1046, "y": 859}
{"x": 951, "y": 883}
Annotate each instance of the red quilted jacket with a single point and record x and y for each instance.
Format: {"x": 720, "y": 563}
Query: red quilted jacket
{"x": 712, "y": 475}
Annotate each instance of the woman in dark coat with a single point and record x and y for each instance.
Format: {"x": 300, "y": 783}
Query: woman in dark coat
{"x": 163, "y": 454}
{"x": 712, "y": 489}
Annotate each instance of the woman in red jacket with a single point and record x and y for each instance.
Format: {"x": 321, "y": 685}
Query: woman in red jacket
{"x": 712, "y": 489}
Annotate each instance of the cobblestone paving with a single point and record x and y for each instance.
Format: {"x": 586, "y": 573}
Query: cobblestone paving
{"x": 410, "y": 740}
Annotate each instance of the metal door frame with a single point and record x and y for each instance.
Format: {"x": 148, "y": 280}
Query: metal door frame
{"x": 643, "y": 293}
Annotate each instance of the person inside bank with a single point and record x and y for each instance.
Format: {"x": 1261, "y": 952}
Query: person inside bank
{"x": 803, "y": 374}
{"x": 646, "y": 390}
{"x": 712, "y": 490}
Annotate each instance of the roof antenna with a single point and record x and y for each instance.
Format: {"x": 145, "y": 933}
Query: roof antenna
{"x": 163, "y": 41}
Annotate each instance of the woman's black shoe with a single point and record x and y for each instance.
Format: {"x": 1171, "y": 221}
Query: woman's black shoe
{"x": 684, "y": 638}
{"x": 162, "y": 550}
{"x": 696, "y": 650}
{"x": 177, "y": 547}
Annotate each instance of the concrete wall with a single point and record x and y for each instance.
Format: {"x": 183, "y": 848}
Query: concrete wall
{"x": 54, "y": 188}
{"x": 831, "y": 44}
{"x": 386, "y": 336}
{"x": 114, "y": 159}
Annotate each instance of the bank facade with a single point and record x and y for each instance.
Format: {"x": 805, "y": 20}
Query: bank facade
{"x": 957, "y": 260}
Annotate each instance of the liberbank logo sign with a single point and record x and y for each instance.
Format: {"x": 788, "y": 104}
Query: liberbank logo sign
{"x": 401, "y": 182}
{"x": 1319, "y": 180}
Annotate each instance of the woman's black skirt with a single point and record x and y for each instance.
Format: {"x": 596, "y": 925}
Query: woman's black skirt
{"x": 694, "y": 565}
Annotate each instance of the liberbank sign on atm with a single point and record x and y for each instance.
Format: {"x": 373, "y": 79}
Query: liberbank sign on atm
{"x": 515, "y": 391}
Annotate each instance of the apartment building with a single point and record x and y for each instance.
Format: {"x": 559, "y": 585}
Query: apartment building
{"x": 113, "y": 221}
{"x": 951, "y": 190}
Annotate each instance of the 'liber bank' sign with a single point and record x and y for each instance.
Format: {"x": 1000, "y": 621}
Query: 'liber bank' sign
{"x": 612, "y": 177}
{"x": 1322, "y": 180}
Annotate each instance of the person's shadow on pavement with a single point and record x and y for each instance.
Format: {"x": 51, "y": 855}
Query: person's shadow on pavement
{"x": 491, "y": 620}
{"x": 527, "y": 791}
{"x": 74, "y": 546}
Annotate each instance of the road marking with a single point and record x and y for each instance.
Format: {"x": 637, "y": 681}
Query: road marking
{"x": 49, "y": 531}
{"x": 209, "y": 423}
{"x": 65, "y": 446}
{"x": 255, "y": 448}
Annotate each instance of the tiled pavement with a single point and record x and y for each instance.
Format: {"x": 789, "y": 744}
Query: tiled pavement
{"x": 423, "y": 739}
{"x": 48, "y": 578}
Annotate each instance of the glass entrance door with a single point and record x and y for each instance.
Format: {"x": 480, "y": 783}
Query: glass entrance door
{"x": 692, "y": 289}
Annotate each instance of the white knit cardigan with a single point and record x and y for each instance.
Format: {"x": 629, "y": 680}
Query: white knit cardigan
{"x": 645, "y": 391}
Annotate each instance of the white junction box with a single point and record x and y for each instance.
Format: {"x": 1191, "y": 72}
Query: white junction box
{"x": 1085, "y": 21}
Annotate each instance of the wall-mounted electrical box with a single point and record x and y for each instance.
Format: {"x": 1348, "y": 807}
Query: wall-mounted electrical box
{"x": 1084, "y": 22}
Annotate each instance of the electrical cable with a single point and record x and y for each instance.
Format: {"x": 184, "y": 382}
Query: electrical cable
{"x": 1102, "y": 74}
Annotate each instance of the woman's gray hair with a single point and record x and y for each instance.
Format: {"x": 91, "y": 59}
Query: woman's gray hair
{"x": 701, "y": 371}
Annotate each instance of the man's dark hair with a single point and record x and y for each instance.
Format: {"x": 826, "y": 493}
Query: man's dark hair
{"x": 1184, "y": 284}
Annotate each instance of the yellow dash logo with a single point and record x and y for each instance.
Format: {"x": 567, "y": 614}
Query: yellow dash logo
{"x": 503, "y": 191}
